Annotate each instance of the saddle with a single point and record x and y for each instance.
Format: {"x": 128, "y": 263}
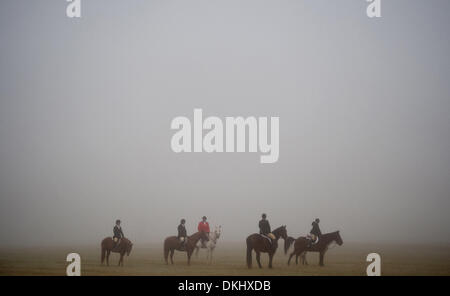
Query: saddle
{"x": 270, "y": 237}
{"x": 313, "y": 239}
{"x": 183, "y": 241}
{"x": 117, "y": 242}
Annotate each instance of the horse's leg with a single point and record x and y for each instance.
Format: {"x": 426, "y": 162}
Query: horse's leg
{"x": 196, "y": 250}
{"x": 103, "y": 254}
{"x": 290, "y": 257}
{"x": 171, "y": 255}
{"x": 210, "y": 255}
{"x": 258, "y": 257}
{"x": 121, "y": 258}
{"x": 270, "y": 259}
{"x": 304, "y": 262}
{"x": 321, "y": 255}
{"x": 189, "y": 254}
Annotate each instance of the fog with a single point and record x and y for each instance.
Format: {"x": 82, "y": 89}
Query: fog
{"x": 86, "y": 106}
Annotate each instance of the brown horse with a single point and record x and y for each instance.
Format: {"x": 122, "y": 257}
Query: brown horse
{"x": 124, "y": 246}
{"x": 260, "y": 244}
{"x": 172, "y": 243}
{"x": 301, "y": 246}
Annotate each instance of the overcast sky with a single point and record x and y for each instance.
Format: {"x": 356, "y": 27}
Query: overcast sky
{"x": 86, "y": 106}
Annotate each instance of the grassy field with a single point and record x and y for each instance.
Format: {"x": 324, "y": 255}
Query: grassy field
{"x": 348, "y": 259}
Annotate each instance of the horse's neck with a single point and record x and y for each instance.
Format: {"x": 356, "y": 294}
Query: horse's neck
{"x": 277, "y": 235}
{"x": 328, "y": 238}
{"x": 125, "y": 242}
{"x": 214, "y": 238}
{"x": 196, "y": 237}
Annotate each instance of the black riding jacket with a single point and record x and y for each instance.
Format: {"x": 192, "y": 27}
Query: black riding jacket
{"x": 182, "y": 231}
{"x": 118, "y": 232}
{"x": 315, "y": 229}
{"x": 264, "y": 226}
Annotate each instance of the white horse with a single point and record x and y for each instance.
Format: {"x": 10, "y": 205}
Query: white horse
{"x": 211, "y": 244}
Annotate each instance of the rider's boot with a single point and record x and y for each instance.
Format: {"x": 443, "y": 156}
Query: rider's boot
{"x": 183, "y": 245}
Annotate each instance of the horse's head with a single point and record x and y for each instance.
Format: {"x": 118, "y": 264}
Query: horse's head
{"x": 129, "y": 247}
{"x": 280, "y": 232}
{"x": 218, "y": 231}
{"x": 338, "y": 238}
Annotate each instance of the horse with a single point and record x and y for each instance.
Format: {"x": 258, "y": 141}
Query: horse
{"x": 288, "y": 243}
{"x": 301, "y": 246}
{"x": 172, "y": 243}
{"x": 211, "y": 244}
{"x": 260, "y": 244}
{"x": 108, "y": 246}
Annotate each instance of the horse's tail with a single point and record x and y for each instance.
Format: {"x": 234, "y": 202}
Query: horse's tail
{"x": 287, "y": 243}
{"x": 166, "y": 251}
{"x": 249, "y": 253}
{"x": 103, "y": 253}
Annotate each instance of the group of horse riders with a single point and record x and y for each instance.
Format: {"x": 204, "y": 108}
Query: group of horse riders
{"x": 264, "y": 230}
{"x": 203, "y": 226}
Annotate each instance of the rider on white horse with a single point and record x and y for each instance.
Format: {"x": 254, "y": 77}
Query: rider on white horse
{"x": 211, "y": 244}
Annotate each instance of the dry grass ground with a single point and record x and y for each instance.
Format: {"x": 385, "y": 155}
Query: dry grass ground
{"x": 229, "y": 259}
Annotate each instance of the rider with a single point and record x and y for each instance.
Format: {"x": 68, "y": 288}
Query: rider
{"x": 203, "y": 226}
{"x": 118, "y": 233}
{"x": 264, "y": 227}
{"x": 182, "y": 234}
{"x": 315, "y": 232}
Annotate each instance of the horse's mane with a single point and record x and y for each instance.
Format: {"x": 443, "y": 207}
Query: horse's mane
{"x": 330, "y": 233}
{"x": 194, "y": 234}
{"x": 278, "y": 229}
{"x": 127, "y": 241}
{"x": 325, "y": 235}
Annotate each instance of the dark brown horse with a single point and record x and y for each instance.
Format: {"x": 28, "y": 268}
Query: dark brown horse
{"x": 123, "y": 248}
{"x": 301, "y": 246}
{"x": 261, "y": 244}
{"x": 172, "y": 243}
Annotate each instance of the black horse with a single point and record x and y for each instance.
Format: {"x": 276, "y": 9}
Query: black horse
{"x": 260, "y": 244}
{"x": 301, "y": 246}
